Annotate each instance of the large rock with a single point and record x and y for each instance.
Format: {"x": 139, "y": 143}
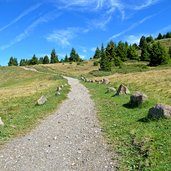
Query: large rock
{"x": 122, "y": 90}
{"x": 160, "y": 111}
{"x": 1, "y": 122}
{"x": 138, "y": 98}
{"x": 105, "y": 81}
{"x": 42, "y": 100}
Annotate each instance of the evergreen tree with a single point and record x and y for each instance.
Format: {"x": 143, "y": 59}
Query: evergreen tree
{"x": 41, "y": 60}
{"x": 74, "y": 57}
{"x": 13, "y": 62}
{"x": 121, "y": 51}
{"x": 142, "y": 42}
{"x": 158, "y": 55}
{"x": 149, "y": 39}
{"x": 105, "y": 64}
{"x": 34, "y": 60}
{"x": 66, "y": 59}
{"x": 23, "y": 62}
{"x": 111, "y": 54}
{"x": 159, "y": 36}
{"x": 168, "y": 35}
{"x": 46, "y": 60}
{"x": 145, "y": 53}
{"x": 97, "y": 54}
{"x": 54, "y": 57}
{"x": 132, "y": 53}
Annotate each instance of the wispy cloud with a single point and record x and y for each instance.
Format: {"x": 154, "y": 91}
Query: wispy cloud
{"x": 44, "y": 19}
{"x": 145, "y": 4}
{"x": 131, "y": 27}
{"x": 26, "y": 12}
{"x": 63, "y": 37}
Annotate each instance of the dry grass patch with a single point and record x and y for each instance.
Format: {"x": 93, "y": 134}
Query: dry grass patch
{"x": 155, "y": 83}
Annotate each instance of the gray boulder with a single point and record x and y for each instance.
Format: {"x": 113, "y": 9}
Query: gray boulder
{"x": 159, "y": 111}
{"x": 138, "y": 98}
{"x": 1, "y": 122}
{"x": 122, "y": 90}
{"x": 111, "y": 89}
{"x": 105, "y": 81}
{"x": 42, "y": 100}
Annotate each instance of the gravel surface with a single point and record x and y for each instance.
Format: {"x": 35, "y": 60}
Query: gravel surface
{"x": 68, "y": 140}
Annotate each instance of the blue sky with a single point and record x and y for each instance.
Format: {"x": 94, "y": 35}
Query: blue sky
{"x": 37, "y": 26}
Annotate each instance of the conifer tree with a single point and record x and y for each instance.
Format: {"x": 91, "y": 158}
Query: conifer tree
{"x": 13, "y": 61}
{"x": 97, "y": 53}
{"x": 54, "y": 57}
{"x": 46, "y": 60}
{"x": 105, "y": 64}
{"x": 158, "y": 55}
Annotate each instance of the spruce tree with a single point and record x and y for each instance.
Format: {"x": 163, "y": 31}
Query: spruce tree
{"x": 54, "y": 57}
{"x": 158, "y": 55}
{"x": 66, "y": 59}
{"x": 46, "y": 60}
{"x": 97, "y": 53}
{"x": 34, "y": 60}
{"x": 105, "y": 64}
{"x": 74, "y": 57}
{"x": 132, "y": 53}
{"x": 13, "y": 61}
{"x": 111, "y": 54}
{"x": 121, "y": 51}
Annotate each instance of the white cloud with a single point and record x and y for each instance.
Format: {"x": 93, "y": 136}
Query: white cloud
{"x": 30, "y": 29}
{"x": 26, "y": 12}
{"x": 63, "y": 37}
{"x": 134, "y": 25}
{"x": 145, "y": 4}
{"x": 131, "y": 39}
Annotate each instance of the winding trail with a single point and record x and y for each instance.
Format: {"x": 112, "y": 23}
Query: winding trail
{"x": 68, "y": 140}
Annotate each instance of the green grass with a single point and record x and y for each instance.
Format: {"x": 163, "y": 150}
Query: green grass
{"x": 20, "y": 91}
{"x": 141, "y": 145}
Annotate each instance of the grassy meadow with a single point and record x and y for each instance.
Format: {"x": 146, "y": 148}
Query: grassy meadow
{"x": 141, "y": 144}
{"x": 19, "y": 91}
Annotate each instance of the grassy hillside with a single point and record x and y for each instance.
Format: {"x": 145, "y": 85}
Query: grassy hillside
{"x": 141, "y": 145}
{"x": 166, "y": 42}
{"x": 19, "y": 91}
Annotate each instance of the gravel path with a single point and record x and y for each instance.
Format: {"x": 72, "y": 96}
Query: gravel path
{"x": 68, "y": 140}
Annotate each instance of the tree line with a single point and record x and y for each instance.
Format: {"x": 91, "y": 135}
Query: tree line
{"x": 74, "y": 57}
{"x": 147, "y": 50}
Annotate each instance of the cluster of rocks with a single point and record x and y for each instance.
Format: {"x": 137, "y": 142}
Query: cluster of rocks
{"x": 139, "y": 98}
{"x": 58, "y": 90}
{"x": 102, "y": 81}
{"x": 42, "y": 100}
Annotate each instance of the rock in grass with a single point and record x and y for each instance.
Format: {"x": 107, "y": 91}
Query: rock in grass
{"x": 59, "y": 88}
{"x": 106, "y": 81}
{"x": 138, "y": 99}
{"x": 159, "y": 111}
{"x": 58, "y": 93}
{"x": 1, "y": 122}
{"x": 42, "y": 100}
{"x": 122, "y": 90}
{"x": 111, "y": 89}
